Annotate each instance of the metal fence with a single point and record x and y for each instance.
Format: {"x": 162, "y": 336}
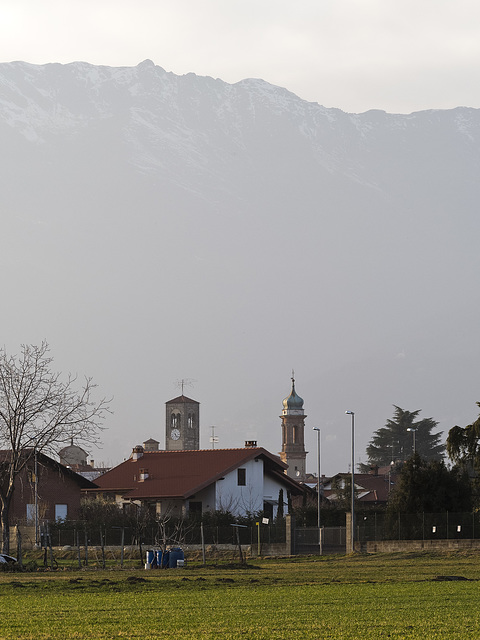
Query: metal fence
{"x": 418, "y": 526}
{"x": 73, "y": 534}
{"x": 307, "y": 540}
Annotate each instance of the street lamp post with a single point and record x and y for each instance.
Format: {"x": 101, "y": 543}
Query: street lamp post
{"x": 414, "y": 431}
{"x": 318, "y": 473}
{"x": 352, "y": 508}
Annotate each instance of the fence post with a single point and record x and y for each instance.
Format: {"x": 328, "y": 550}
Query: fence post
{"x": 290, "y": 534}
{"x": 86, "y": 547}
{"x": 78, "y": 549}
{"x": 348, "y": 526}
{"x": 49, "y": 538}
{"x": 19, "y": 546}
{"x": 203, "y": 544}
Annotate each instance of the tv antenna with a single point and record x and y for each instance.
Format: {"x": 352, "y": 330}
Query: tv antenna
{"x": 184, "y": 382}
{"x": 213, "y": 437}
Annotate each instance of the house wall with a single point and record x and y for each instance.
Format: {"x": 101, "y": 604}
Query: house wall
{"x": 271, "y": 491}
{"x": 206, "y": 497}
{"x": 54, "y": 488}
{"x": 240, "y": 499}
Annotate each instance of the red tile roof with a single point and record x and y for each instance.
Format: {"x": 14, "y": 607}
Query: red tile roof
{"x": 180, "y": 474}
{"x": 371, "y": 488}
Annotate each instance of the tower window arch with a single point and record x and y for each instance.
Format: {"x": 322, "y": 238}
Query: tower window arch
{"x": 175, "y": 420}
{"x": 191, "y": 420}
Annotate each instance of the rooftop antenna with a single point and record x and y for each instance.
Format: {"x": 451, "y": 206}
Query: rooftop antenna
{"x": 184, "y": 382}
{"x": 213, "y": 438}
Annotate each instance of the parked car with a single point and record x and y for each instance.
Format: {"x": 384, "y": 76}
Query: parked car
{"x": 4, "y": 559}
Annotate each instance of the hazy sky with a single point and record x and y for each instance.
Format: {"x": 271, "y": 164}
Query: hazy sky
{"x": 352, "y": 54}
{"x": 358, "y": 269}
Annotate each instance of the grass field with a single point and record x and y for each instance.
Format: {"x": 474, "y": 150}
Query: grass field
{"x": 348, "y": 597}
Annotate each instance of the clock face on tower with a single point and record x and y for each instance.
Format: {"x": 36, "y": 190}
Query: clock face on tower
{"x": 175, "y": 434}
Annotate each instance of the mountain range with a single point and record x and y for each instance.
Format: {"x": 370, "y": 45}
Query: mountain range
{"x": 158, "y": 228}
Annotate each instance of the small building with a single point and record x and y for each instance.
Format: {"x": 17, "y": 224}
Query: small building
{"x": 371, "y": 489}
{"x": 241, "y": 481}
{"x": 72, "y": 455}
{"x": 56, "y": 489}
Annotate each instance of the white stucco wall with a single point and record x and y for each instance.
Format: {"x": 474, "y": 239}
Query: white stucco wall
{"x": 272, "y": 489}
{"x": 206, "y": 497}
{"x": 240, "y": 499}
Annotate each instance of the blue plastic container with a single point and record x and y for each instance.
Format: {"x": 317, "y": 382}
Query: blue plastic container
{"x": 158, "y": 556}
{"x": 165, "y": 560}
{"x": 175, "y": 554}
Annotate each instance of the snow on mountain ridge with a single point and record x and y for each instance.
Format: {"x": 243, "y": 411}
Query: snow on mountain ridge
{"x": 166, "y": 122}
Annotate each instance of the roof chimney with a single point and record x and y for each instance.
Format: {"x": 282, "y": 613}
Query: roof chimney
{"x": 250, "y": 444}
{"x": 137, "y": 452}
{"x": 143, "y": 475}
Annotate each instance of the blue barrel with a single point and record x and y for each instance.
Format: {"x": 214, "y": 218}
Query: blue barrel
{"x": 158, "y": 555}
{"x": 165, "y": 560}
{"x": 175, "y": 554}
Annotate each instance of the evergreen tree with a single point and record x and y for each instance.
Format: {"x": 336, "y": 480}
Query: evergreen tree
{"x": 430, "y": 487}
{"x": 280, "y": 505}
{"x": 395, "y": 441}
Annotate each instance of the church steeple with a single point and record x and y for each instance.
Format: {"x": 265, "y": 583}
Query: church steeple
{"x": 293, "y": 435}
{"x": 294, "y": 403}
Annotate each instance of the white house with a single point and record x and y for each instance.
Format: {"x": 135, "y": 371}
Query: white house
{"x": 194, "y": 481}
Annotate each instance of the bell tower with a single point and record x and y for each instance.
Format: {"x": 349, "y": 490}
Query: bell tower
{"x": 182, "y": 424}
{"x": 293, "y": 435}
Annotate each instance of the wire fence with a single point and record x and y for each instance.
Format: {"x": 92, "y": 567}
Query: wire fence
{"x": 418, "y": 526}
{"x": 73, "y": 534}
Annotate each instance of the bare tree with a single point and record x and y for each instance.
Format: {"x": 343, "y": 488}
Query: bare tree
{"x": 38, "y": 411}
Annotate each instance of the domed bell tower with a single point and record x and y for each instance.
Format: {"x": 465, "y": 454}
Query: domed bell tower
{"x": 293, "y": 435}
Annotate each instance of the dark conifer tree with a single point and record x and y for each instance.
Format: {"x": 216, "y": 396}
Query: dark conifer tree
{"x": 430, "y": 487}
{"x": 395, "y": 442}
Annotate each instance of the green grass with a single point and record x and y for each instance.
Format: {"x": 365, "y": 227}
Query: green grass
{"x": 349, "y": 597}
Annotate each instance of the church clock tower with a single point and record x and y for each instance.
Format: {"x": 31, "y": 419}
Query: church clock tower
{"x": 293, "y": 437}
{"x": 182, "y": 424}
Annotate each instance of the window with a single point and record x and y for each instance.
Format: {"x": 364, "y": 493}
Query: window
{"x": 195, "y": 508}
{"x": 30, "y": 512}
{"x": 241, "y": 477}
{"x": 60, "y": 512}
{"x": 268, "y": 510}
{"x": 191, "y": 420}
